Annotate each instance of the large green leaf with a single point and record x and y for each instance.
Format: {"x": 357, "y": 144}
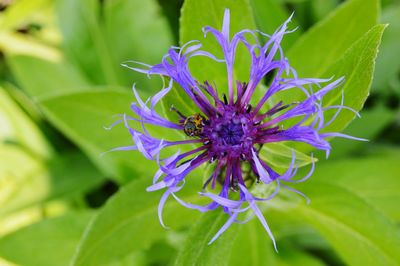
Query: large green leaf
{"x": 81, "y": 116}
{"x": 371, "y": 124}
{"x": 71, "y": 174}
{"x": 375, "y": 179}
{"x": 319, "y": 9}
{"x": 83, "y": 40}
{"x": 360, "y": 233}
{"x": 129, "y": 222}
{"x": 384, "y": 149}
{"x": 39, "y": 77}
{"x": 324, "y": 43}
{"x": 195, "y": 250}
{"x": 269, "y": 15}
{"x": 387, "y": 65}
{"x": 252, "y": 246}
{"x": 339, "y": 46}
{"x": 245, "y": 244}
{"x": 196, "y": 15}
{"x": 49, "y": 242}
{"x": 136, "y": 30}
{"x": 357, "y": 66}
{"x": 294, "y": 256}
{"x": 112, "y": 33}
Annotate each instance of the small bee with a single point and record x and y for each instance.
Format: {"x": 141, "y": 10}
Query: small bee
{"x": 193, "y": 125}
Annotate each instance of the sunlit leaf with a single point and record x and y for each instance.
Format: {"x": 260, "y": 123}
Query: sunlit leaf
{"x": 29, "y": 181}
{"x": 18, "y": 128}
{"x": 49, "y": 242}
{"x": 12, "y": 43}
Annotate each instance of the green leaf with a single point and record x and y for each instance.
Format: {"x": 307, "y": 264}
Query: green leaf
{"x": 387, "y": 65}
{"x": 82, "y": 35}
{"x": 31, "y": 173}
{"x": 195, "y": 250}
{"x": 375, "y": 179}
{"x": 372, "y": 123}
{"x": 72, "y": 174}
{"x": 321, "y": 8}
{"x": 252, "y": 246}
{"x": 19, "y": 13}
{"x": 24, "y": 179}
{"x": 196, "y": 15}
{"x": 333, "y": 48}
{"x": 32, "y": 16}
{"x": 129, "y": 222}
{"x": 357, "y": 66}
{"x": 384, "y": 149}
{"x": 135, "y": 259}
{"x": 280, "y": 155}
{"x": 269, "y": 15}
{"x": 331, "y": 41}
{"x": 179, "y": 100}
{"x": 39, "y": 77}
{"x": 294, "y": 256}
{"x": 30, "y": 181}
{"x": 49, "y": 242}
{"x": 81, "y": 116}
{"x": 359, "y": 233}
{"x": 193, "y": 19}
{"x": 320, "y": 47}
{"x": 136, "y": 30}
{"x": 17, "y": 127}
{"x": 248, "y": 244}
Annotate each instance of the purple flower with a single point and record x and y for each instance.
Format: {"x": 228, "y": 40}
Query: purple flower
{"x": 227, "y": 130}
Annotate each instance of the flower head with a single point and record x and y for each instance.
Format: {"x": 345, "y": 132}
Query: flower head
{"x": 228, "y": 131}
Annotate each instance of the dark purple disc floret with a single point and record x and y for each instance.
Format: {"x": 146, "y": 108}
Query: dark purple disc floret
{"x": 227, "y": 130}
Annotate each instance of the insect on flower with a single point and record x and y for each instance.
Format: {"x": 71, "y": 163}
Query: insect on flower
{"x": 193, "y": 125}
{"x": 229, "y": 130}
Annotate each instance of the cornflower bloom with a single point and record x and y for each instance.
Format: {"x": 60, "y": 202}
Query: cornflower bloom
{"x": 228, "y": 131}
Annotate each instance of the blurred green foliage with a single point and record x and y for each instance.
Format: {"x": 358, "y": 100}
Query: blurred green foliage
{"x": 62, "y": 203}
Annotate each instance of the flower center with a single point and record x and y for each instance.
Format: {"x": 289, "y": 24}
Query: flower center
{"x": 230, "y": 133}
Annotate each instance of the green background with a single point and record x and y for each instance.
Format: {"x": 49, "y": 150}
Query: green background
{"x": 61, "y": 83}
